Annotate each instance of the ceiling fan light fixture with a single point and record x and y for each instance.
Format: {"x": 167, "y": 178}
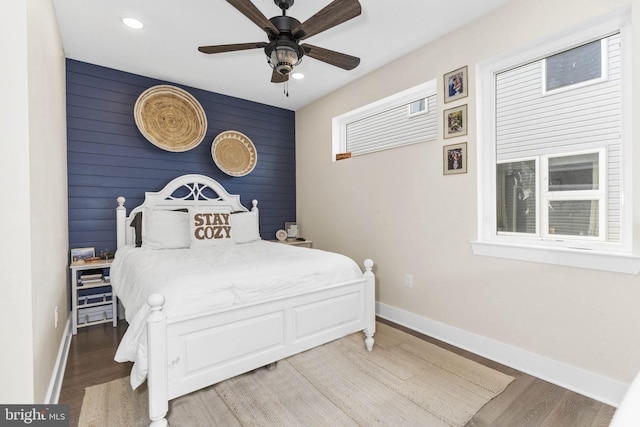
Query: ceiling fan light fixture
{"x": 283, "y": 55}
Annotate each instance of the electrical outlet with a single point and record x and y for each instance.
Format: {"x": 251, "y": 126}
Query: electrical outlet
{"x": 56, "y": 316}
{"x": 408, "y": 281}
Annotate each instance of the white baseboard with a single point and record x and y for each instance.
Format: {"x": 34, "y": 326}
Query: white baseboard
{"x": 55, "y": 384}
{"x": 592, "y": 385}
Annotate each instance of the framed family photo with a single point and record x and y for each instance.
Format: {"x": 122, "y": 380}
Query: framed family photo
{"x": 455, "y": 84}
{"x": 293, "y": 230}
{"x": 455, "y": 121}
{"x": 455, "y": 158}
{"x": 80, "y": 254}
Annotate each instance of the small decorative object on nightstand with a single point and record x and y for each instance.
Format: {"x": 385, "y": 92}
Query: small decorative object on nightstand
{"x": 90, "y": 305}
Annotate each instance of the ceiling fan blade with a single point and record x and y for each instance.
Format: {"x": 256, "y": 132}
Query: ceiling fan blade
{"x": 277, "y": 77}
{"x": 248, "y": 9}
{"x": 342, "y": 60}
{"x": 231, "y": 47}
{"x": 335, "y": 13}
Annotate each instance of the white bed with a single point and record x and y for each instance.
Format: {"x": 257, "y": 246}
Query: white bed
{"x": 250, "y": 303}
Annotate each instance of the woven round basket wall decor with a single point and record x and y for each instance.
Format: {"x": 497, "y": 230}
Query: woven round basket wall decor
{"x": 170, "y": 118}
{"x": 234, "y": 153}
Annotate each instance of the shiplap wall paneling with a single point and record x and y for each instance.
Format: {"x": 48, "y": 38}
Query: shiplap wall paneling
{"x": 108, "y": 156}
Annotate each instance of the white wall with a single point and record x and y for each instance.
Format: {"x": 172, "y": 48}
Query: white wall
{"x": 397, "y": 208}
{"x": 48, "y": 188}
{"x": 33, "y": 221}
{"x": 15, "y": 246}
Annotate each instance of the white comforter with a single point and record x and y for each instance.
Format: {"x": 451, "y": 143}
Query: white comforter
{"x": 205, "y": 279}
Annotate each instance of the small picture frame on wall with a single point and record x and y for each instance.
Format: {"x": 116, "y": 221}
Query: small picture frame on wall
{"x": 455, "y": 158}
{"x": 455, "y": 84}
{"x": 455, "y": 121}
{"x": 81, "y": 254}
{"x": 293, "y": 230}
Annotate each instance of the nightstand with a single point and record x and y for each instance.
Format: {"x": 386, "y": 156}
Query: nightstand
{"x": 294, "y": 242}
{"x": 92, "y": 298}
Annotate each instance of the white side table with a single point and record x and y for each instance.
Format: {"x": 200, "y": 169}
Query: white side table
{"x": 76, "y": 271}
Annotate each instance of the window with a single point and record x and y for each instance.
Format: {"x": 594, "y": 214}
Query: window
{"x": 581, "y": 65}
{"x": 573, "y": 200}
{"x": 564, "y": 199}
{"x": 569, "y": 137}
{"x": 516, "y": 195}
{"x": 552, "y": 170}
{"x": 408, "y": 117}
{"x": 419, "y": 106}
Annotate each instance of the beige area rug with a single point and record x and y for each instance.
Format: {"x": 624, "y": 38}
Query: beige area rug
{"x": 405, "y": 381}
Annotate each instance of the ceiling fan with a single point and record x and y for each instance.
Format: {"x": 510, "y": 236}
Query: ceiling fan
{"x": 284, "y": 32}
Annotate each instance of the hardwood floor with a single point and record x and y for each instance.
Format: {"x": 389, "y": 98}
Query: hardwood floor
{"x": 90, "y": 363}
{"x": 527, "y": 401}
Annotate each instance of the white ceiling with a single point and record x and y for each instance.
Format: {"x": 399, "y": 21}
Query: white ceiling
{"x": 166, "y": 49}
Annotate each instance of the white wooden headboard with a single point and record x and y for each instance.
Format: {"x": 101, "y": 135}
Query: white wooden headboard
{"x": 182, "y": 192}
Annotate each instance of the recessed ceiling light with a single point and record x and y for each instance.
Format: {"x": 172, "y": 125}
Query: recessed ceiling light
{"x": 133, "y": 23}
{"x": 297, "y": 76}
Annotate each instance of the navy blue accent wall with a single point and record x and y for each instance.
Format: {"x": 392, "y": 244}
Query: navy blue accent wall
{"x": 108, "y": 156}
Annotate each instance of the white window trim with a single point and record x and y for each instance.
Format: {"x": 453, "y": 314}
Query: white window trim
{"x": 606, "y": 256}
{"x": 339, "y": 123}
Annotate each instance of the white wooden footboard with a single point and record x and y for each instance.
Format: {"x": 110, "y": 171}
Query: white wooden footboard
{"x": 190, "y": 353}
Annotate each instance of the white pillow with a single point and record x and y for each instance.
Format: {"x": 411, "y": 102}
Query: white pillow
{"x": 163, "y": 229}
{"x": 245, "y": 227}
{"x": 209, "y": 226}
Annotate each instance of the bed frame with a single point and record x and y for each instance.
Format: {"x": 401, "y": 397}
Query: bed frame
{"x": 189, "y": 353}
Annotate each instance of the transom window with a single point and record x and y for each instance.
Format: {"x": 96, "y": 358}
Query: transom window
{"x": 408, "y": 117}
{"x": 584, "y": 64}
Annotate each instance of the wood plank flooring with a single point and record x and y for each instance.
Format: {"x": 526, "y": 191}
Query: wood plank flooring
{"x": 90, "y": 362}
{"x": 527, "y": 401}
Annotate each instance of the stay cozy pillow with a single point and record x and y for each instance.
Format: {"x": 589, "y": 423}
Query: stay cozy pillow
{"x": 209, "y": 227}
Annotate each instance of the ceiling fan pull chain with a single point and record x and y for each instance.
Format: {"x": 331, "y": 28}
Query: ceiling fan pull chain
{"x": 286, "y": 88}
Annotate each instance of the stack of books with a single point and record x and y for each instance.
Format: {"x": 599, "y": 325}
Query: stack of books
{"x": 87, "y": 279}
